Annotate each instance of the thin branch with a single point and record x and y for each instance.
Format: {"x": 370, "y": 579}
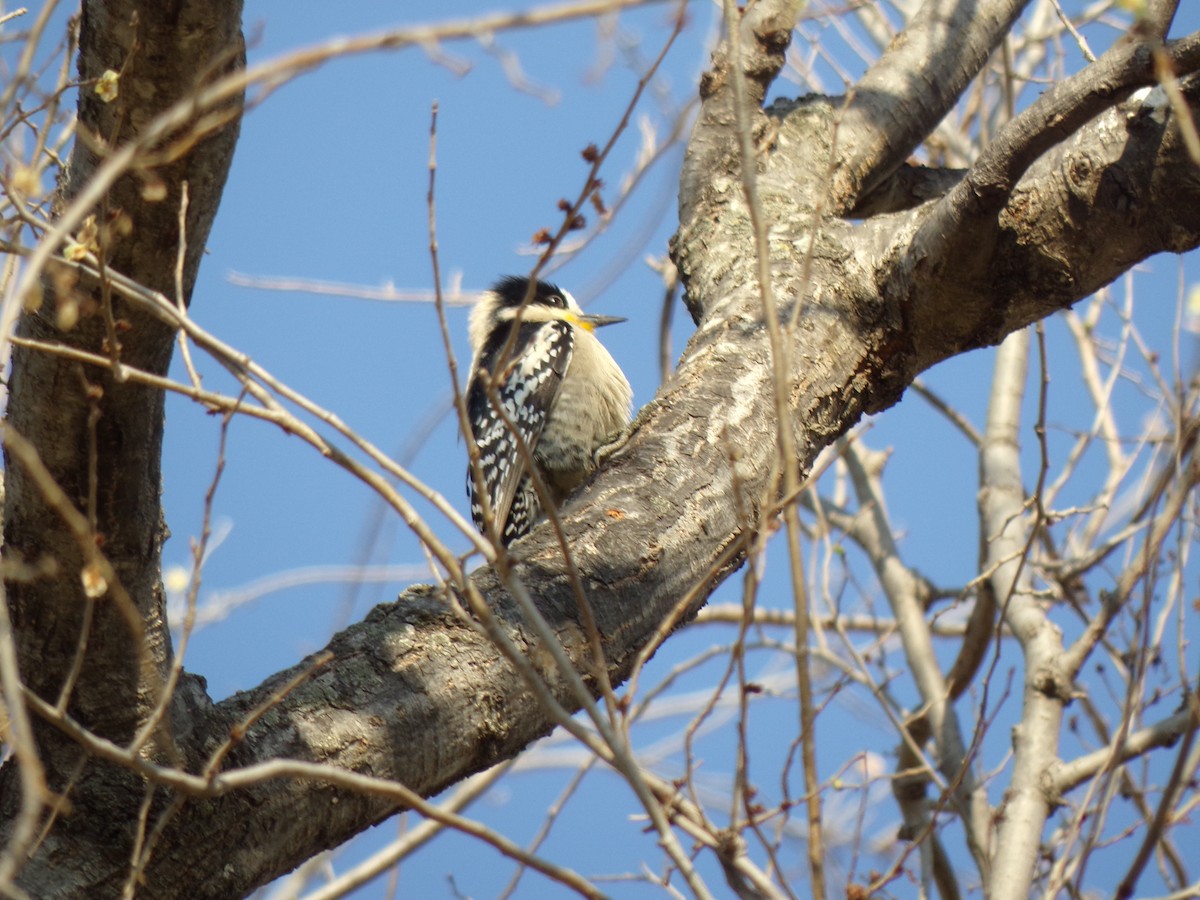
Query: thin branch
{"x": 1066, "y": 776}
{"x": 411, "y": 841}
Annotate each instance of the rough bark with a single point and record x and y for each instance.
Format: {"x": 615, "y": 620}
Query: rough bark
{"x": 100, "y": 438}
{"x": 414, "y": 693}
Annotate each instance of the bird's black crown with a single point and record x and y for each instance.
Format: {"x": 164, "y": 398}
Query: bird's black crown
{"x": 512, "y": 289}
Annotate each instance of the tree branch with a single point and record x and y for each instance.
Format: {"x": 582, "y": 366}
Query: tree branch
{"x": 912, "y": 87}
{"x": 966, "y": 219}
{"x": 1120, "y": 189}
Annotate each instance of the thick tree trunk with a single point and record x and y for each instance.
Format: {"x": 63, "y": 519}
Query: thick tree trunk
{"x": 105, "y": 657}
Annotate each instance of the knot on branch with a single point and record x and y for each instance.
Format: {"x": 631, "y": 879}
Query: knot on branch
{"x": 1049, "y": 785}
{"x": 1053, "y": 683}
{"x": 714, "y": 79}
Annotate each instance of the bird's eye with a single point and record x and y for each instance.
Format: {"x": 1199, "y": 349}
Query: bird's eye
{"x": 557, "y": 300}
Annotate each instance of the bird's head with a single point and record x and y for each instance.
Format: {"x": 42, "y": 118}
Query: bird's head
{"x": 543, "y": 303}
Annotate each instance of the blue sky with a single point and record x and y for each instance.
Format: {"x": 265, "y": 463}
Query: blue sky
{"x": 329, "y": 184}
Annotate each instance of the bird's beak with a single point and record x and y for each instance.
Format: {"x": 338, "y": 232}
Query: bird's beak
{"x": 589, "y": 322}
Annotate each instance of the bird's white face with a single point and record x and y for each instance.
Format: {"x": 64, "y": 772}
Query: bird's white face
{"x": 573, "y": 313}
{"x": 506, "y": 303}
{"x": 572, "y": 305}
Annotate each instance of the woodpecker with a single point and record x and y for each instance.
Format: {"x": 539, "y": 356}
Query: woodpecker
{"x": 557, "y": 384}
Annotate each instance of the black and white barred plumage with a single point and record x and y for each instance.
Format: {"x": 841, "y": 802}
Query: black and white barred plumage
{"x": 559, "y": 388}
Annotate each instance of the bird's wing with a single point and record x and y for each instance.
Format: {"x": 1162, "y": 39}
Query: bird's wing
{"x": 527, "y": 388}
